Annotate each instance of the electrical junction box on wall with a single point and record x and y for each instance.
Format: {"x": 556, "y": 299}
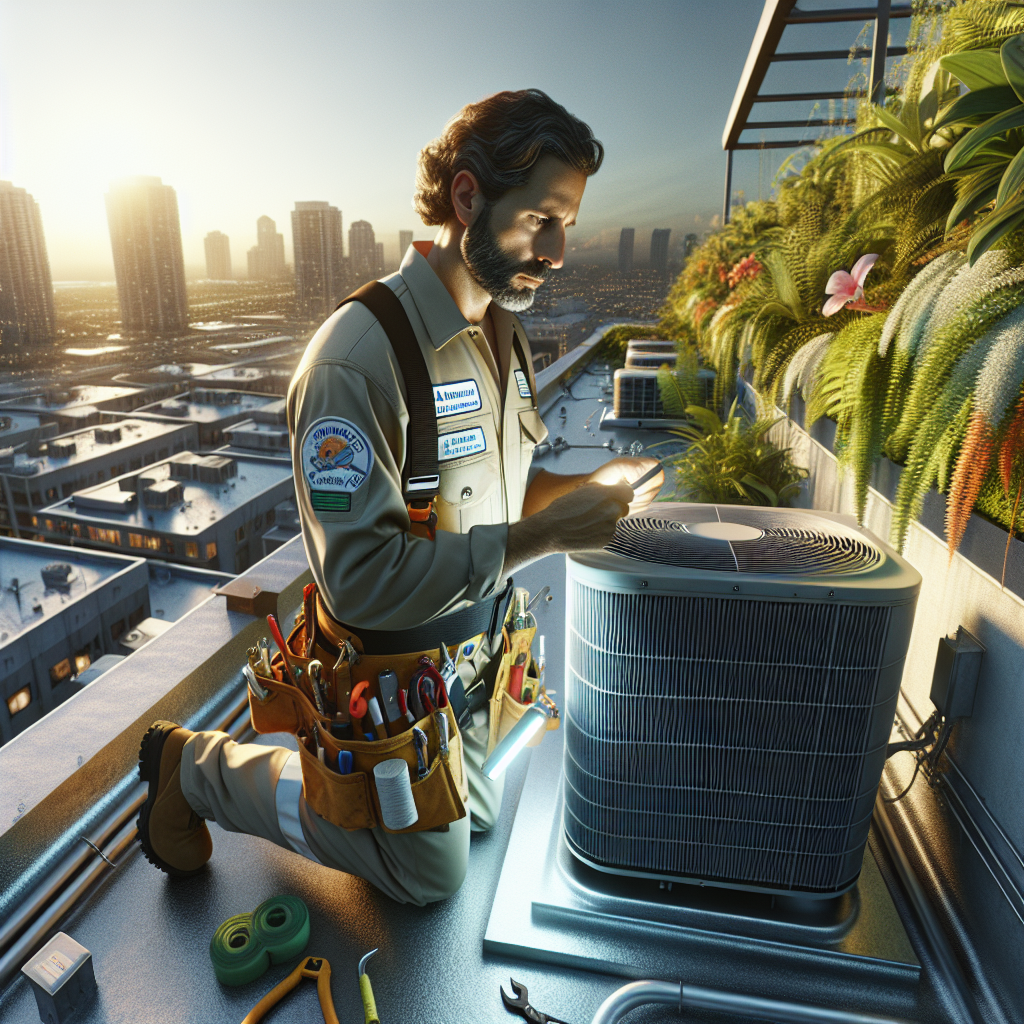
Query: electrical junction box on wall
{"x": 957, "y": 665}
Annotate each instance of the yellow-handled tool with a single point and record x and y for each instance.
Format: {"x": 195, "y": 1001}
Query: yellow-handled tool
{"x": 366, "y": 991}
{"x": 315, "y": 968}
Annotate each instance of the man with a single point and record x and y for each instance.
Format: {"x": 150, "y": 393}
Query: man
{"x": 503, "y": 184}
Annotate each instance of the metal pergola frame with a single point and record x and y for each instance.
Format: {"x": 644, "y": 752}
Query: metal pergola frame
{"x": 777, "y": 14}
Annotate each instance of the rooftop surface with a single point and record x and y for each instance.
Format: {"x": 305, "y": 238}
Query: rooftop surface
{"x": 183, "y": 407}
{"x": 202, "y": 504}
{"x": 87, "y": 447}
{"x": 80, "y": 394}
{"x": 165, "y": 373}
{"x": 175, "y": 590}
{"x": 16, "y": 423}
{"x": 23, "y": 561}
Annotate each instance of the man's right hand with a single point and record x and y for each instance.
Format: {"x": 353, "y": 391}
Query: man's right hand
{"x": 582, "y": 520}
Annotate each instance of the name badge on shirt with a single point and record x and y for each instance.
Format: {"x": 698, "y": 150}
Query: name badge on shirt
{"x": 460, "y": 443}
{"x": 456, "y": 397}
{"x": 524, "y": 385}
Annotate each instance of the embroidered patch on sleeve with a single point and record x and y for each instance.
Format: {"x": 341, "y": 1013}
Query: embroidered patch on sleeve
{"x": 336, "y": 460}
{"x": 460, "y": 443}
{"x": 524, "y": 385}
{"x": 456, "y": 397}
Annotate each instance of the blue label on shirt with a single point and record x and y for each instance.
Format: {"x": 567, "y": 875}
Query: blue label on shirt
{"x": 460, "y": 443}
{"x": 524, "y": 384}
{"x": 456, "y": 397}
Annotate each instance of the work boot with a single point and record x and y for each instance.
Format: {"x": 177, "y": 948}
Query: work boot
{"x": 174, "y": 838}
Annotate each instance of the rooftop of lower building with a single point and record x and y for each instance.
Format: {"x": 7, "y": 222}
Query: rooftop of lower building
{"x": 58, "y": 399}
{"x": 182, "y": 495}
{"x": 210, "y": 405}
{"x": 38, "y": 581}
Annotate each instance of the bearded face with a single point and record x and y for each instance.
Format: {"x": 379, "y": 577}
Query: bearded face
{"x": 494, "y": 269}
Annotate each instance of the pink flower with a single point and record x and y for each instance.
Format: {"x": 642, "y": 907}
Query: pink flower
{"x": 848, "y": 287}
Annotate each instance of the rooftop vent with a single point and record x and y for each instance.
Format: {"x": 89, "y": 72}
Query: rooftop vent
{"x": 215, "y": 469}
{"x": 57, "y": 576}
{"x": 5, "y": 422}
{"x": 731, "y": 679}
{"x": 61, "y": 449}
{"x": 27, "y": 468}
{"x": 107, "y": 435}
{"x": 162, "y": 494}
{"x": 183, "y": 465}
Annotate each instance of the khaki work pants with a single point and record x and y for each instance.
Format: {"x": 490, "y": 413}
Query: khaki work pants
{"x": 236, "y": 785}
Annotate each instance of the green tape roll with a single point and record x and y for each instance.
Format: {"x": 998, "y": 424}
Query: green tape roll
{"x": 245, "y": 945}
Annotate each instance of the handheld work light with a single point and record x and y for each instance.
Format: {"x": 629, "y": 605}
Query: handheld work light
{"x": 533, "y": 721}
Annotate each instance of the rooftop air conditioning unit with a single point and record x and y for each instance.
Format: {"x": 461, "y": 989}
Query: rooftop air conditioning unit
{"x": 62, "y": 449}
{"x": 637, "y": 396}
{"x": 732, "y": 675}
{"x": 639, "y": 359}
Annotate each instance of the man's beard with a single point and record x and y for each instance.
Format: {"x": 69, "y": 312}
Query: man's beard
{"x": 493, "y": 269}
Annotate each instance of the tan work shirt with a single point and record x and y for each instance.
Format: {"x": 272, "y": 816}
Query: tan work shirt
{"x": 347, "y": 418}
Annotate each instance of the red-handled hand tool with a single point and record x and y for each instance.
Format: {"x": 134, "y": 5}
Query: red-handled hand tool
{"x": 275, "y": 632}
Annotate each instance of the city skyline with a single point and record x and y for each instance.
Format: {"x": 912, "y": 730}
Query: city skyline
{"x": 284, "y": 137}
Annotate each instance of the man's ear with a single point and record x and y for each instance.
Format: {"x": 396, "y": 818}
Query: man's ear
{"x": 467, "y": 199}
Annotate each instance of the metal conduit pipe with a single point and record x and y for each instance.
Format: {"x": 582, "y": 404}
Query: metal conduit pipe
{"x": 695, "y": 997}
{"x": 56, "y": 895}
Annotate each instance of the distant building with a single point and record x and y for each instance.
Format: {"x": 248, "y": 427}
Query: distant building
{"x": 60, "y": 611}
{"x": 690, "y": 242}
{"x": 24, "y": 430}
{"x": 266, "y": 432}
{"x": 145, "y": 237}
{"x": 626, "y": 239}
{"x": 404, "y": 241}
{"x": 26, "y": 292}
{"x": 212, "y": 410}
{"x": 81, "y": 459}
{"x": 205, "y": 510}
{"x": 84, "y": 405}
{"x": 266, "y": 257}
{"x": 218, "y": 256}
{"x": 362, "y": 252}
{"x": 659, "y": 249}
{"x": 378, "y": 250}
{"x": 320, "y": 278}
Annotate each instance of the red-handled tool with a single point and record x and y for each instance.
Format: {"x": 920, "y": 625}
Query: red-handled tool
{"x": 275, "y": 632}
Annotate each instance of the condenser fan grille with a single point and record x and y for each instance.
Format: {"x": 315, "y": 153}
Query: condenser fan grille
{"x": 747, "y": 540}
{"x": 723, "y": 739}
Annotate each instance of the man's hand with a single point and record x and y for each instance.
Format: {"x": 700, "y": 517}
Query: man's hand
{"x": 582, "y": 520}
{"x": 629, "y": 470}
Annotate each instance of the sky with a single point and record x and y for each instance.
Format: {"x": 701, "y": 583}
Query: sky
{"x": 245, "y": 108}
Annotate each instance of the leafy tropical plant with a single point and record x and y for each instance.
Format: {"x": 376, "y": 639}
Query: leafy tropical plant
{"x": 732, "y": 461}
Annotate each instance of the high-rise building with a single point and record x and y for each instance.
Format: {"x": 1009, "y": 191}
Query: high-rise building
{"x": 266, "y": 257}
{"x": 690, "y": 242}
{"x": 145, "y": 236}
{"x": 319, "y": 258}
{"x": 404, "y": 241}
{"x": 218, "y": 256}
{"x": 378, "y": 251}
{"x": 362, "y": 252}
{"x": 659, "y": 249}
{"x": 26, "y": 291}
{"x": 626, "y": 250}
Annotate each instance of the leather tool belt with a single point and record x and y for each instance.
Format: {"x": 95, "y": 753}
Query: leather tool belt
{"x": 351, "y": 661}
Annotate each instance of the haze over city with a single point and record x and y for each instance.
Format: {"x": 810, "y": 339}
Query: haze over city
{"x": 246, "y": 110}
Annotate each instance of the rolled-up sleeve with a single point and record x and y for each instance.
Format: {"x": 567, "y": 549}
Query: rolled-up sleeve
{"x": 370, "y": 570}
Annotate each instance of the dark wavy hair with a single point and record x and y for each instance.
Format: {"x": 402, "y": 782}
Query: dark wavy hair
{"x": 498, "y": 140}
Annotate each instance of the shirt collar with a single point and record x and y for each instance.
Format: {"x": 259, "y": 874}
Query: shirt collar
{"x": 441, "y": 316}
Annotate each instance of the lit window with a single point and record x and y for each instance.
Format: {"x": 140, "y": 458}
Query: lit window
{"x": 105, "y": 536}
{"x": 60, "y": 671}
{"x": 82, "y": 661}
{"x": 191, "y": 549}
{"x": 211, "y": 550}
{"x": 76, "y": 530}
{"x": 19, "y": 701}
{"x": 35, "y": 520}
{"x": 135, "y": 540}
{"x": 49, "y": 524}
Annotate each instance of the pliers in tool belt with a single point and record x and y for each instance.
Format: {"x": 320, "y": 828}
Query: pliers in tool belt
{"x": 314, "y": 967}
{"x": 521, "y": 1005}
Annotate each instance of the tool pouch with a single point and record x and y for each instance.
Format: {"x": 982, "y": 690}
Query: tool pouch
{"x": 505, "y": 709}
{"x": 350, "y": 801}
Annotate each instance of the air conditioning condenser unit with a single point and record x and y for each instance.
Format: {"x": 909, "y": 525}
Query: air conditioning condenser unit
{"x": 732, "y": 675}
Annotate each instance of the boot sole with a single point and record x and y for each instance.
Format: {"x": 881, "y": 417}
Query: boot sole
{"x": 150, "y": 752}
